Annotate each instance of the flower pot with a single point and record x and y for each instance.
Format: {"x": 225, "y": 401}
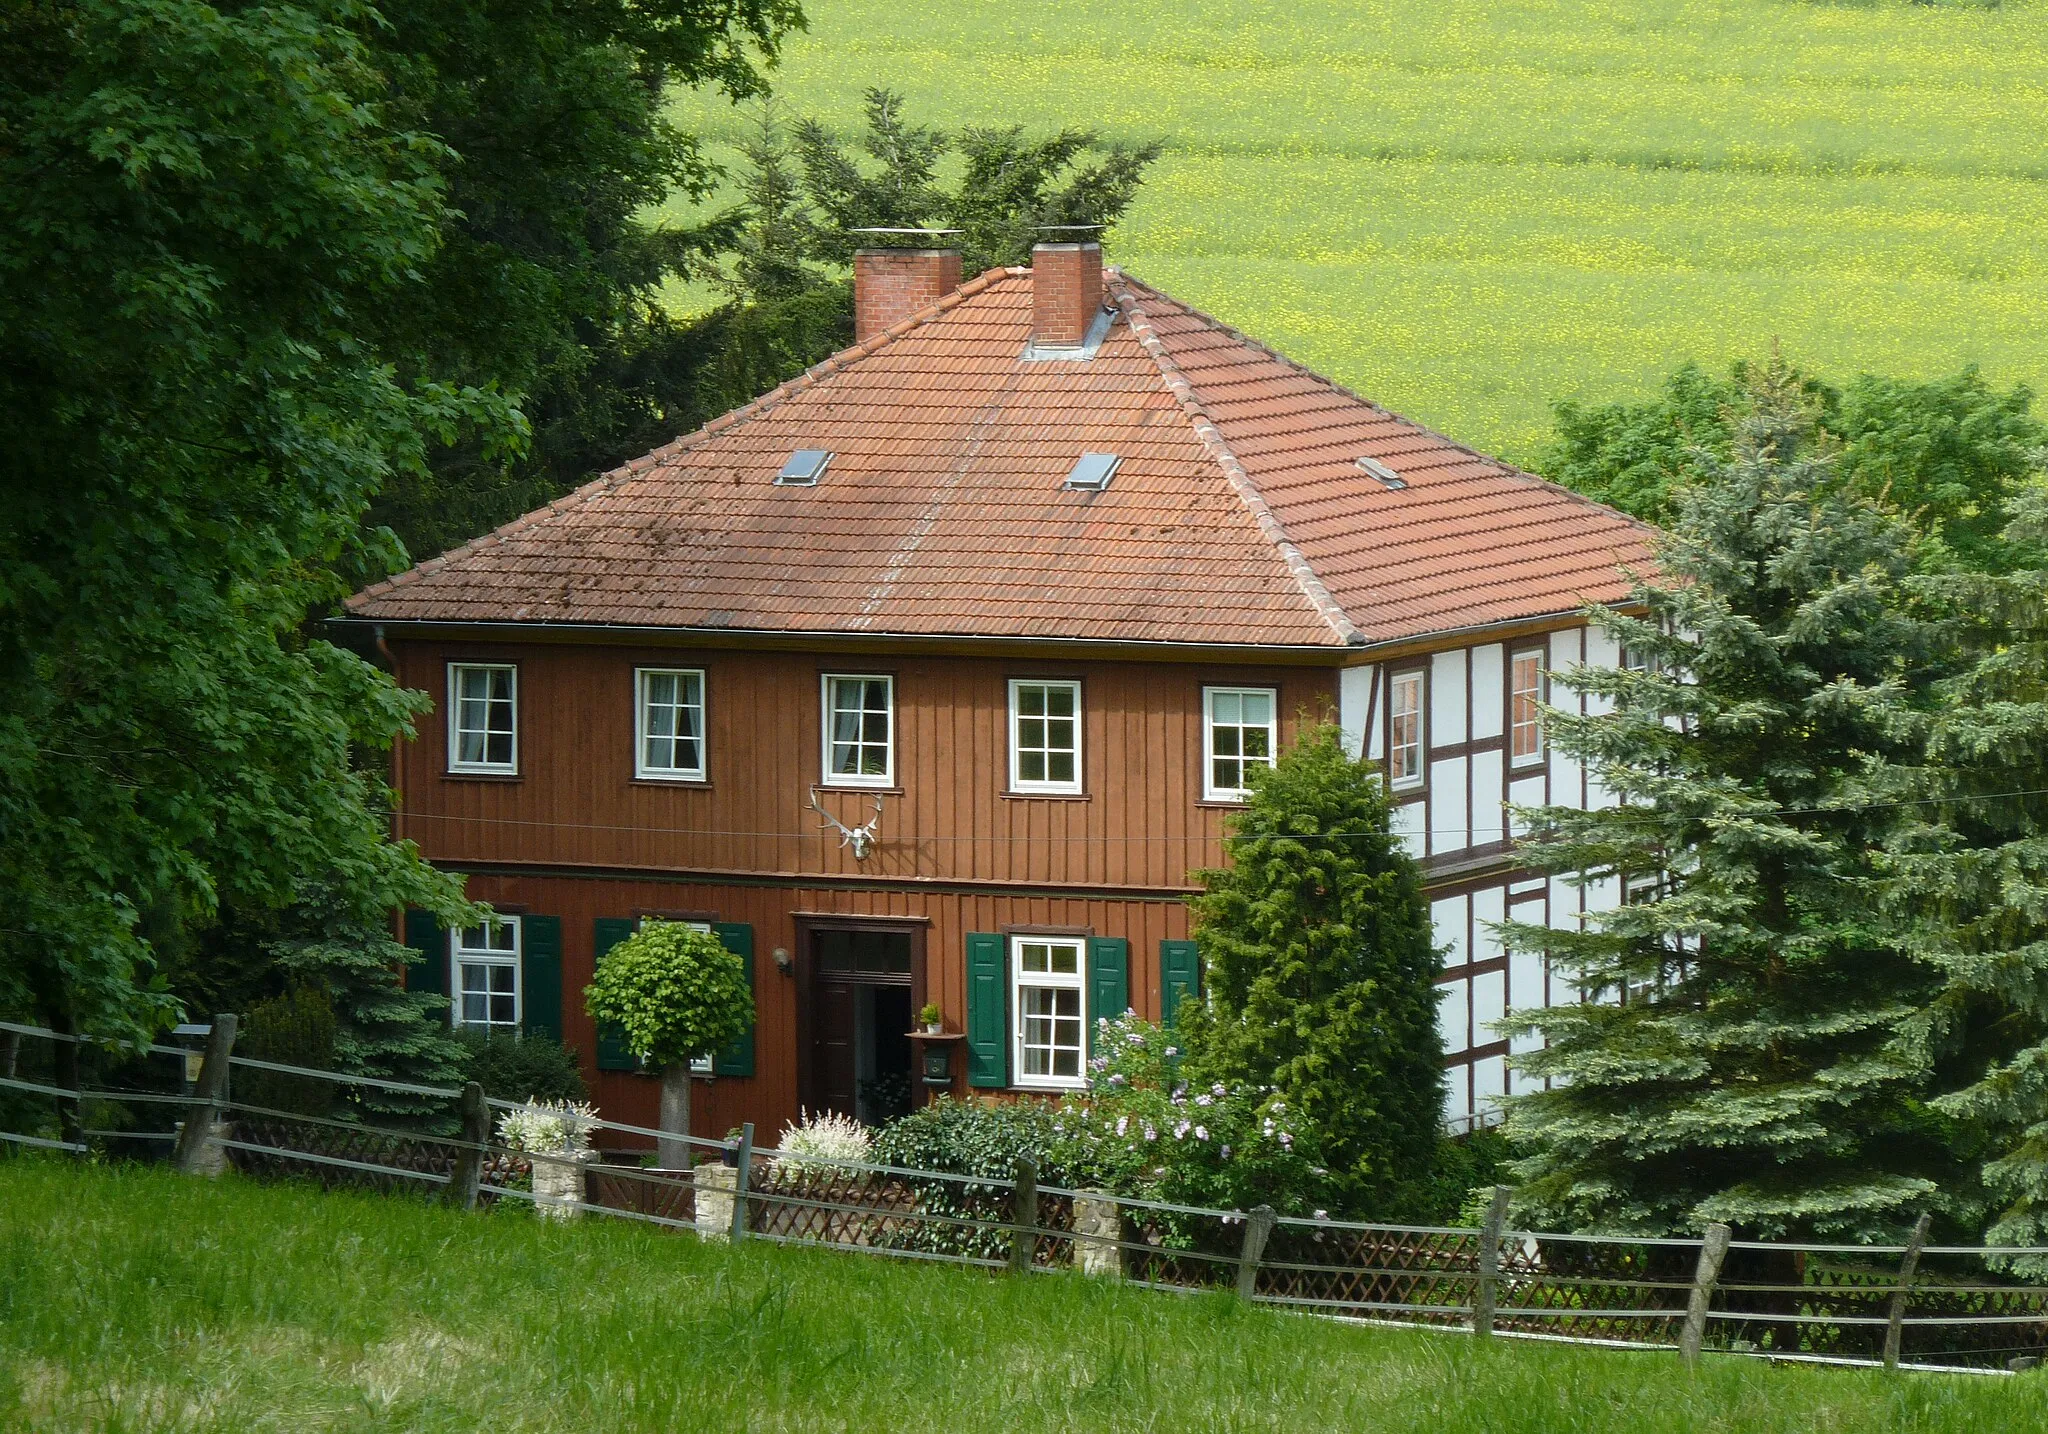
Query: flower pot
{"x": 934, "y": 1028}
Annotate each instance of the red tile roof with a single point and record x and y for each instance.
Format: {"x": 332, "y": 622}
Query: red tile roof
{"x": 1238, "y": 514}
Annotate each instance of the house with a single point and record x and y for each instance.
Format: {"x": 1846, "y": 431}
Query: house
{"x": 932, "y": 674}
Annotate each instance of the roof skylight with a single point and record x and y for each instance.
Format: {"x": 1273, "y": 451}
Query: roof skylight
{"x": 804, "y": 468}
{"x": 1092, "y": 473}
{"x": 1387, "y": 476}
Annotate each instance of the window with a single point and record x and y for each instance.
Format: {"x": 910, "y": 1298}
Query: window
{"x": 487, "y": 975}
{"x": 1046, "y": 974}
{"x": 1092, "y": 472}
{"x": 483, "y": 734}
{"x": 671, "y": 744}
{"x": 1404, "y": 730}
{"x": 1525, "y": 696}
{"x": 860, "y": 742}
{"x": 1045, "y": 736}
{"x": 1241, "y": 735}
{"x": 805, "y": 467}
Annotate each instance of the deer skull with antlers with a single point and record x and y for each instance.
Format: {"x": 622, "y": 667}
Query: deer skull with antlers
{"x": 860, "y": 838}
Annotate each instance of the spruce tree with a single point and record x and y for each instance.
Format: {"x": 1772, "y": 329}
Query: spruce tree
{"x": 1968, "y": 881}
{"x": 1737, "y": 1057}
{"x": 1320, "y": 973}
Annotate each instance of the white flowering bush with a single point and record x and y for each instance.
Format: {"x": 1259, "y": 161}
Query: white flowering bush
{"x": 549, "y": 1127}
{"x": 828, "y": 1137}
{"x": 1143, "y": 1129}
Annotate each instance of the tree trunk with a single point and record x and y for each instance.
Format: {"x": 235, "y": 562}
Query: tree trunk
{"x": 675, "y": 1117}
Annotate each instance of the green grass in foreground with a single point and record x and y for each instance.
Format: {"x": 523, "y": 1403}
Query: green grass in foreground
{"x": 133, "y": 1300}
{"x": 1470, "y": 208}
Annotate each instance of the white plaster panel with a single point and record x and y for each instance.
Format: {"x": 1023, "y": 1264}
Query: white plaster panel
{"x": 1447, "y": 804}
{"x": 1489, "y": 1004}
{"x": 1489, "y": 700}
{"x": 1354, "y": 700}
{"x": 1520, "y": 1084}
{"x": 1564, "y": 991}
{"x": 1448, "y": 921}
{"x": 1565, "y": 780}
{"x": 1457, "y": 1097}
{"x": 1453, "y": 1016}
{"x": 1447, "y": 698}
{"x": 1525, "y": 792}
{"x": 1603, "y": 893}
{"x": 1567, "y": 649}
{"x": 1601, "y": 651}
{"x": 1489, "y": 818}
{"x": 1376, "y": 729}
{"x": 1489, "y": 1084}
{"x": 1564, "y": 905}
{"x": 1489, "y": 905}
{"x": 1526, "y": 986}
{"x": 1408, "y": 823}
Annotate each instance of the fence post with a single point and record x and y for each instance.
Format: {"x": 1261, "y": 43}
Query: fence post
{"x": 1909, "y": 1265}
{"x": 742, "y": 1176}
{"x": 210, "y": 1090}
{"x": 1713, "y": 1250}
{"x": 463, "y": 1180}
{"x": 1485, "y": 1298}
{"x": 1257, "y": 1230}
{"x": 1024, "y": 1215}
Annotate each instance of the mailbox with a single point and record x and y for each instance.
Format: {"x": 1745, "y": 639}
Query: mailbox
{"x": 938, "y": 1064}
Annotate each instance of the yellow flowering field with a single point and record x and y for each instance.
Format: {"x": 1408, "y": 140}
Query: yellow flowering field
{"x": 1467, "y": 210}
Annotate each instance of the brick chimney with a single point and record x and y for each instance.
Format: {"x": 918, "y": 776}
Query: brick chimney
{"x": 1066, "y": 293}
{"x": 889, "y": 285}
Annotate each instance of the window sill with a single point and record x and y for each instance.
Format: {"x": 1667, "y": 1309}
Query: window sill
{"x": 1528, "y": 767}
{"x": 703, "y": 783}
{"x": 460, "y": 776}
{"x": 1046, "y": 796}
{"x": 891, "y": 791}
{"x": 1063, "y": 1088}
{"x": 1223, "y": 804}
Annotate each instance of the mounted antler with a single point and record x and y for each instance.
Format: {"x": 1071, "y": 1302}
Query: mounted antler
{"x": 860, "y": 838}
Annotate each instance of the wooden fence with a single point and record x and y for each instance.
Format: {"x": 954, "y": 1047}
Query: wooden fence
{"x": 1947, "y": 1307}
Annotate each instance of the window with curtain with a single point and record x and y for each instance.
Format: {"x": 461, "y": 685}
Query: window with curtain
{"x": 483, "y": 731}
{"x": 1404, "y": 729}
{"x": 1048, "y": 996}
{"x": 671, "y": 724}
{"x": 487, "y": 976}
{"x": 1241, "y": 733}
{"x": 1525, "y": 696}
{"x": 860, "y": 731}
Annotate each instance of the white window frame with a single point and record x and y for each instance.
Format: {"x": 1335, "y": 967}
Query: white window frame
{"x": 1021, "y": 980}
{"x": 641, "y": 768}
{"x": 1210, "y": 791}
{"x": 1018, "y": 783}
{"x": 489, "y": 958}
{"x": 455, "y": 729}
{"x": 1418, "y": 678}
{"x": 1535, "y": 758}
{"x": 887, "y": 778}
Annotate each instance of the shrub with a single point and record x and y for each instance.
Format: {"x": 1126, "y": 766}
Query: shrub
{"x": 549, "y": 1127}
{"x": 1141, "y": 1130}
{"x": 295, "y": 1029}
{"x": 970, "y": 1137}
{"x": 532, "y": 1068}
{"x": 829, "y": 1138}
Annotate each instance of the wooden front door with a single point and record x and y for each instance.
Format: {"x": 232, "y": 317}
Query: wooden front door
{"x": 860, "y": 987}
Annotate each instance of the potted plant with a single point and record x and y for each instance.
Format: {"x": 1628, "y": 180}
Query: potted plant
{"x": 933, "y": 1018}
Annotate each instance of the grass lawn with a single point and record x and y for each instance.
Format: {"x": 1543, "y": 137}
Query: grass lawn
{"x": 1470, "y": 208}
{"x": 133, "y": 1300}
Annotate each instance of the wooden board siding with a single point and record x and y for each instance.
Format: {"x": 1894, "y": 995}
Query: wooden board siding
{"x": 1140, "y": 822}
{"x": 769, "y": 1098}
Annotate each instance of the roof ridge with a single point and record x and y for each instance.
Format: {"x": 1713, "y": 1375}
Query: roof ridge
{"x": 1211, "y": 437}
{"x": 1507, "y": 468}
{"x": 605, "y": 482}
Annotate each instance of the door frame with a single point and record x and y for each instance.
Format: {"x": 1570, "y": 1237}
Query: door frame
{"x": 804, "y": 969}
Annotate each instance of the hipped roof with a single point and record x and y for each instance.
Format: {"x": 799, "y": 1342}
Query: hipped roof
{"x": 1239, "y": 514}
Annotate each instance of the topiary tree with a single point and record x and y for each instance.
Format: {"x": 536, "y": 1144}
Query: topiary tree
{"x": 675, "y": 993}
{"x": 1321, "y": 970}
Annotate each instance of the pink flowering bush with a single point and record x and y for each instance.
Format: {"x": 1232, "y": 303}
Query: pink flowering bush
{"x": 1142, "y": 1129}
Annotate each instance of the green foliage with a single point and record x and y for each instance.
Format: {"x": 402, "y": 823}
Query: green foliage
{"x": 1948, "y": 453}
{"x": 1317, "y": 948}
{"x": 206, "y": 216}
{"x": 673, "y": 991}
{"x": 295, "y": 1029}
{"x": 528, "y": 1068}
{"x": 1142, "y": 1130}
{"x": 1966, "y": 879}
{"x": 1752, "y": 1073}
{"x": 984, "y": 1138}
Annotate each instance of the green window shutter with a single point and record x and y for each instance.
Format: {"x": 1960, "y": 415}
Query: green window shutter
{"x": 612, "y": 1054}
{"x": 1180, "y": 977}
{"x": 737, "y": 1059}
{"x": 540, "y": 976}
{"x": 1109, "y": 981}
{"x": 988, "y": 1023}
{"x": 428, "y": 971}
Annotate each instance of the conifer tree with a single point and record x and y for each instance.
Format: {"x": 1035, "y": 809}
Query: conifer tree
{"x": 1738, "y": 1060}
{"x": 1319, "y": 968}
{"x": 1968, "y": 881}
